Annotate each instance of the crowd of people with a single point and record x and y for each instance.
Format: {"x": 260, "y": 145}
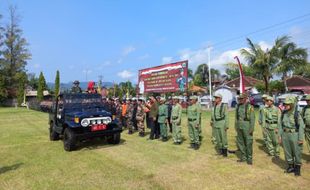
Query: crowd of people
{"x": 287, "y": 127}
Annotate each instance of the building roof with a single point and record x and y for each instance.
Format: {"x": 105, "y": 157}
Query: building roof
{"x": 197, "y": 89}
{"x": 248, "y": 82}
{"x": 297, "y": 82}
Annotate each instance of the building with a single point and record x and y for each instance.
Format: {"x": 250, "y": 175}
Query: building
{"x": 249, "y": 83}
{"x": 228, "y": 94}
{"x": 298, "y": 83}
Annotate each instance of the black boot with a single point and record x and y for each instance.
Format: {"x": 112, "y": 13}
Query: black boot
{"x": 192, "y": 145}
{"x": 290, "y": 169}
{"x": 196, "y": 146}
{"x": 297, "y": 170}
{"x": 224, "y": 152}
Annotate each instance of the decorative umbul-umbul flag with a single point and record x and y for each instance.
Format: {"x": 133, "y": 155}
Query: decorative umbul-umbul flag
{"x": 241, "y": 86}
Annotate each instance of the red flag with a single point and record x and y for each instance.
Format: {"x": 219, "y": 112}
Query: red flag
{"x": 242, "y": 86}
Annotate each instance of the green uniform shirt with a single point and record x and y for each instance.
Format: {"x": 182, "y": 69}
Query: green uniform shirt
{"x": 260, "y": 114}
{"x": 194, "y": 113}
{"x": 271, "y": 117}
{"x": 245, "y": 118}
{"x": 306, "y": 116}
{"x": 162, "y": 113}
{"x": 219, "y": 118}
{"x": 288, "y": 123}
{"x": 176, "y": 113}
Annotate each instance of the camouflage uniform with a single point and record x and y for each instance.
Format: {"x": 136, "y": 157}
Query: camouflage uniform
{"x": 194, "y": 122}
{"x": 129, "y": 115}
{"x": 140, "y": 119}
{"x": 261, "y": 112}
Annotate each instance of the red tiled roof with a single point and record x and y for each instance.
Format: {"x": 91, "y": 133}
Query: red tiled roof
{"x": 249, "y": 82}
{"x": 297, "y": 82}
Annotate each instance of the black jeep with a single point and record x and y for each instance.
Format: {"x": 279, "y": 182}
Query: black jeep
{"x": 78, "y": 117}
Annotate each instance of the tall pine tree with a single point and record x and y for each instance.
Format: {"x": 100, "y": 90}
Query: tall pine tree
{"x": 57, "y": 84}
{"x": 41, "y": 87}
{"x": 15, "y": 51}
{"x": 22, "y": 80}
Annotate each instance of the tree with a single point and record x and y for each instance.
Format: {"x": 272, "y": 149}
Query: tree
{"x": 33, "y": 81}
{"x": 57, "y": 84}
{"x": 201, "y": 76}
{"x": 15, "y": 50}
{"x": 262, "y": 61}
{"x": 22, "y": 80}
{"x": 3, "y": 90}
{"x": 215, "y": 74}
{"x": 290, "y": 57}
{"x": 41, "y": 87}
{"x": 232, "y": 71}
{"x": 303, "y": 70}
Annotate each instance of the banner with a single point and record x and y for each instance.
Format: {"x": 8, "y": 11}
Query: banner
{"x": 165, "y": 78}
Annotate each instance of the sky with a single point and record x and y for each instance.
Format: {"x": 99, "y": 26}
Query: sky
{"x": 115, "y": 38}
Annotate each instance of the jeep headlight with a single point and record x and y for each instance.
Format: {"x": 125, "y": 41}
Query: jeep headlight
{"x": 85, "y": 122}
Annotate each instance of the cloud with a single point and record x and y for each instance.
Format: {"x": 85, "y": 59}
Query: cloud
{"x": 87, "y": 71}
{"x": 36, "y": 66}
{"x": 120, "y": 60}
{"x": 166, "y": 60}
{"x": 127, "y": 50}
{"x": 143, "y": 57}
{"x": 218, "y": 60}
{"x": 125, "y": 74}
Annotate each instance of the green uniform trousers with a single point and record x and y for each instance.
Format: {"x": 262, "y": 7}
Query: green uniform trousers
{"x": 221, "y": 137}
{"x": 264, "y": 132}
{"x": 193, "y": 132}
{"x": 163, "y": 130}
{"x": 272, "y": 142}
{"x": 245, "y": 143}
{"x": 307, "y": 137}
{"x": 292, "y": 149}
{"x": 176, "y": 132}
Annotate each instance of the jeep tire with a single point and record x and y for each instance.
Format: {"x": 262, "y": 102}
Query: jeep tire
{"x": 54, "y": 136}
{"x": 69, "y": 140}
{"x": 115, "y": 138}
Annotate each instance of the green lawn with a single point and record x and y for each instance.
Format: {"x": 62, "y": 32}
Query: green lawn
{"x": 28, "y": 160}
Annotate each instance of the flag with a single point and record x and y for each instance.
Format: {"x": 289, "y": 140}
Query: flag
{"x": 241, "y": 86}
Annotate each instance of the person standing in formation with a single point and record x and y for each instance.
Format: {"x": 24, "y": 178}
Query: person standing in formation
{"x": 176, "y": 118}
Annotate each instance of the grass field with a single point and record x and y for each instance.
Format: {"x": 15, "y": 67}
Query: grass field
{"x": 28, "y": 160}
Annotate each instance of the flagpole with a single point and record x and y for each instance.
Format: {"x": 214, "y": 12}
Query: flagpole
{"x": 210, "y": 83}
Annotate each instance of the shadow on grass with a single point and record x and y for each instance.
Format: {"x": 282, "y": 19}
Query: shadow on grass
{"x": 97, "y": 143}
{"x": 10, "y": 168}
{"x": 279, "y": 162}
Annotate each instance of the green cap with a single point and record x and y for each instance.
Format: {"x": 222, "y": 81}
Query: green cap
{"x": 289, "y": 100}
{"x": 307, "y": 97}
{"x": 175, "y": 97}
{"x": 264, "y": 96}
{"x": 193, "y": 98}
{"x": 243, "y": 95}
{"x": 162, "y": 99}
{"x": 217, "y": 96}
{"x": 270, "y": 98}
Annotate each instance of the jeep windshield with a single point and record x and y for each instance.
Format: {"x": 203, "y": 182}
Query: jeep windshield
{"x": 82, "y": 102}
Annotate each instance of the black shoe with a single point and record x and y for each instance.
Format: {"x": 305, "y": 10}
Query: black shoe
{"x": 290, "y": 169}
{"x": 224, "y": 150}
{"x": 240, "y": 160}
{"x": 297, "y": 170}
{"x": 192, "y": 145}
{"x": 249, "y": 162}
{"x": 129, "y": 132}
{"x": 176, "y": 143}
{"x": 196, "y": 146}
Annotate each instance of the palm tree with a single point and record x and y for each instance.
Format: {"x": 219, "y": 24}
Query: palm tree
{"x": 263, "y": 62}
{"x": 290, "y": 58}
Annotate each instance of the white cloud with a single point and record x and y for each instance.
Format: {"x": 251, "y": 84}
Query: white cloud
{"x": 125, "y": 74}
{"x": 36, "y": 66}
{"x": 166, "y": 60}
{"x": 143, "y": 57}
{"x": 87, "y": 71}
{"x": 120, "y": 60}
{"x": 127, "y": 50}
{"x": 218, "y": 61}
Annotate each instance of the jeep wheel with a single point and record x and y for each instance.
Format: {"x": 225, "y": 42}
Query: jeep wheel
{"x": 69, "y": 140}
{"x": 115, "y": 138}
{"x": 54, "y": 136}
